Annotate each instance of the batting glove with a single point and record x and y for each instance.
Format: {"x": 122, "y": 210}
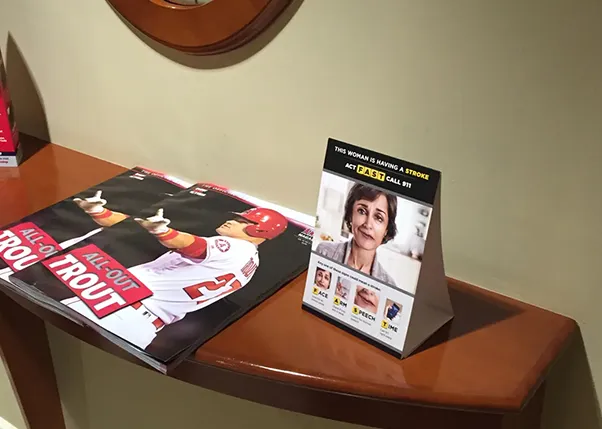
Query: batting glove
{"x": 91, "y": 205}
{"x": 156, "y": 224}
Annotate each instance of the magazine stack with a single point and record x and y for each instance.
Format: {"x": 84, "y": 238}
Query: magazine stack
{"x": 153, "y": 263}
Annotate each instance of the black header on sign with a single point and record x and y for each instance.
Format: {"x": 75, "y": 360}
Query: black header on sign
{"x": 398, "y": 176}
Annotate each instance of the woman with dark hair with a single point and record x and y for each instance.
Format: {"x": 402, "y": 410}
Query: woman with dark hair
{"x": 370, "y": 216}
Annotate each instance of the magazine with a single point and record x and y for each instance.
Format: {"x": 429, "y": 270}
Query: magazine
{"x": 161, "y": 283}
{"x": 61, "y": 225}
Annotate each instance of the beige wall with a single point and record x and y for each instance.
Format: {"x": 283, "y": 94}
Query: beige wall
{"x": 504, "y": 97}
{"x": 9, "y": 410}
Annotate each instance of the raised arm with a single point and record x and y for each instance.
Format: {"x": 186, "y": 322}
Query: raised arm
{"x": 182, "y": 242}
{"x": 94, "y": 206}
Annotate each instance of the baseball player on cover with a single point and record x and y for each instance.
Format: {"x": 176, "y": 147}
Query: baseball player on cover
{"x": 194, "y": 273}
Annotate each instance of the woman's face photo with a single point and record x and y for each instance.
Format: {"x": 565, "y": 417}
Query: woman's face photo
{"x": 322, "y": 279}
{"x": 369, "y": 221}
{"x": 366, "y": 298}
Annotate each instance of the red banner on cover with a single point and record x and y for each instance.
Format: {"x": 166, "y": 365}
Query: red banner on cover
{"x": 100, "y": 281}
{"x": 25, "y": 244}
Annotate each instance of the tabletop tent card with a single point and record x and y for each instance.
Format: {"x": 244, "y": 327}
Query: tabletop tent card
{"x": 376, "y": 267}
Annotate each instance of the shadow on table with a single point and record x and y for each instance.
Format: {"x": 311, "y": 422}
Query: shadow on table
{"x": 571, "y": 400}
{"x": 471, "y": 312}
{"x": 28, "y": 105}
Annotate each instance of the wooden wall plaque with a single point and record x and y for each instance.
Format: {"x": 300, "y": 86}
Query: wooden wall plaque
{"x": 210, "y": 28}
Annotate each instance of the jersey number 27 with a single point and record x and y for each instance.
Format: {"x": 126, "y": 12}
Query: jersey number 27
{"x": 213, "y": 288}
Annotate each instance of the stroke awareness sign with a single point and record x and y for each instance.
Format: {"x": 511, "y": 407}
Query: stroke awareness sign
{"x": 376, "y": 267}
{"x": 101, "y": 282}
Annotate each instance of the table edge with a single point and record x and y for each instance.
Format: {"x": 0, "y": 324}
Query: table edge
{"x": 219, "y": 364}
{"x": 515, "y": 403}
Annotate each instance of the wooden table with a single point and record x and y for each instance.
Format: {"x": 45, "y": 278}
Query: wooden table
{"x": 486, "y": 369}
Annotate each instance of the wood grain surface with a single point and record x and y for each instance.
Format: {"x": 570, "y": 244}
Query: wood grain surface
{"x": 483, "y": 369}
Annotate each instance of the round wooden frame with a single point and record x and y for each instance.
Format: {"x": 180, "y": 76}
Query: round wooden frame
{"x": 213, "y": 28}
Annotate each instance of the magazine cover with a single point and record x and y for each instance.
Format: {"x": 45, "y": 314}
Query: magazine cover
{"x": 63, "y": 224}
{"x": 169, "y": 279}
{"x": 372, "y": 222}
